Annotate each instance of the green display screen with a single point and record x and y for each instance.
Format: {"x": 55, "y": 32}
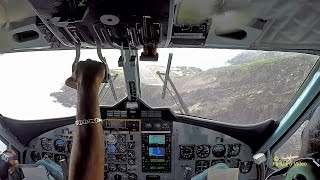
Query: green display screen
{"x": 157, "y": 139}
{"x": 157, "y": 160}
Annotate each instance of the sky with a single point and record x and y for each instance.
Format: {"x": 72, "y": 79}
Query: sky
{"x": 28, "y": 78}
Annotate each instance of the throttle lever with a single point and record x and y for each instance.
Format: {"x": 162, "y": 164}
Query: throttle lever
{"x": 65, "y": 169}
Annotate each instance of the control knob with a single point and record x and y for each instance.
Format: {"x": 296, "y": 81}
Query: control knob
{"x": 148, "y": 126}
{"x": 132, "y": 176}
{"x": 157, "y": 126}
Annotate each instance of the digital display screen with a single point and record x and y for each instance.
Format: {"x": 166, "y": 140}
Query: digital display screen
{"x": 156, "y": 151}
{"x": 157, "y": 167}
{"x": 157, "y": 160}
{"x": 157, "y": 139}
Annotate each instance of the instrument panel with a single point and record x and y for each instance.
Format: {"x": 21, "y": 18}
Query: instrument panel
{"x": 152, "y": 148}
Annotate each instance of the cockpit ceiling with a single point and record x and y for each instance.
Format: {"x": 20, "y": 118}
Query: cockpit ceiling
{"x": 244, "y": 24}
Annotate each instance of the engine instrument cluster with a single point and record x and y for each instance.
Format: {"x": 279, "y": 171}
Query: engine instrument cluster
{"x": 151, "y": 148}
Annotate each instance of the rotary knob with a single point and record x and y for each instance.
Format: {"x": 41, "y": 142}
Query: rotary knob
{"x": 148, "y": 126}
{"x": 157, "y": 126}
{"x": 132, "y": 176}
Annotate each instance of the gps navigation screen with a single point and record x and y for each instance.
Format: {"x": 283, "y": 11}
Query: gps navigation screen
{"x": 156, "y": 151}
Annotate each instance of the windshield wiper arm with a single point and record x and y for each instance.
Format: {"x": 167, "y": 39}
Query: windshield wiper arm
{"x": 167, "y": 79}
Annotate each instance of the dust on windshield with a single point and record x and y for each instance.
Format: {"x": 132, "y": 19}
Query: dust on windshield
{"x": 235, "y": 86}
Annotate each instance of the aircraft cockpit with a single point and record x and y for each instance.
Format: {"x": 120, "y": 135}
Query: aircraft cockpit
{"x": 200, "y": 90}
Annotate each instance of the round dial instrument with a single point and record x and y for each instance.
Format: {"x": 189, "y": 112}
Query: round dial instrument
{"x": 112, "y": 158}
{"x": 218, "y": 150}
{"x": 132, "y": 176}
{"x": 203, "y": 151}
{"x": 131, "y": 162}
{"x": 112, "y": 167}
{"x": 233, "y": 163}
{"x": 59, "y": 145}
{"x": 131, "y": 145}
{"x": 35, "y": 156}
{"x": 111, "y": 139}
{"x": 245, "y": 166}
{"x": 201, "y": 166}
{"x": 131, "y": 154}
{"x": 122, "y": 158}
{"x": 233, "y": 150}
{"x": 187, "y": 152}
{"x": 59, "y": 157}
{"x": 121, "y": 138}
{"x": 122, "y": 168}
{"x": 46, "y": 144}
{"x": 121, "y": 148}
{"x": 111, "y": 148}
{"x": 47, "y": 155}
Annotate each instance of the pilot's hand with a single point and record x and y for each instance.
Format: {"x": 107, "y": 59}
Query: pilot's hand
{"x": 12, "y": 164}
{"x": 88, "y": 73}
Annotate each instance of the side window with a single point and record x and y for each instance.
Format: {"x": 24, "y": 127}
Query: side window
{"x": 3, "y": 144}
{"x": 289, "y": 150}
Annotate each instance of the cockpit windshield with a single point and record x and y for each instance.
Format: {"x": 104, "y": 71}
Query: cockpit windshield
{"x": 235, "y": 86}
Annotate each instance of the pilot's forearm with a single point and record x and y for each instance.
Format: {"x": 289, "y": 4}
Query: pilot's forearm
{"x": 87, "y": 157}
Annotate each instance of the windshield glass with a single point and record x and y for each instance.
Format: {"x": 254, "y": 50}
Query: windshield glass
{"x": 33, "y": 83}
{"x": 237, "y": 86}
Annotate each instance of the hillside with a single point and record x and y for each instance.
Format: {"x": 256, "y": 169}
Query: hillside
{"x": 254, "y": 88}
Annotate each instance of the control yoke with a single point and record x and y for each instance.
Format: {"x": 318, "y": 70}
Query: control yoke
{"x": 108, "y": 78}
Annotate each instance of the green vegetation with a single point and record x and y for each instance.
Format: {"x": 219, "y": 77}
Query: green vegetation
{"x": 257, "y": 86}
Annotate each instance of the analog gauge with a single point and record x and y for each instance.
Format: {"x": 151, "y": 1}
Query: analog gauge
{"x": 214, "y": 162}
{"x": 35, "y": 156}
{"x": 187, "y": 152}
{"x": 65, "y": 131}
{"x": 47, "y": 155}
{"x": 121, "y": 138}
{"x": 131, "y": 145}
{"x": 112, "y": 158}
{"x": 69, "y": 146}
{"x": 218, "y": 150}
{"x": 233, "y": 163}
{"x": 59, "y": 145}
{"x": 112, "y": 167}
{"x": 121, "y": 158}
{"x": 201, "y": 166}
{"x": 245, "y": 166}
{"x": 111, "y": 148}
{"x": 131, "y": 154}
{"x": 132, "y": 176}
{"x": 46, "y": 144}
{"x": 111, "y": 139}
{"x": 121, "y": 148}
{"x": 233, "y": 150}
{"x": 122, "y": 168}
{"x": 131, "y": 162}
{"x": 59, "y": 157}
{"x": 203, "y": 151}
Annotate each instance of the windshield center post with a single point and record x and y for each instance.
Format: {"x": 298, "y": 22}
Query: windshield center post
{"x": 130, "y": 63}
